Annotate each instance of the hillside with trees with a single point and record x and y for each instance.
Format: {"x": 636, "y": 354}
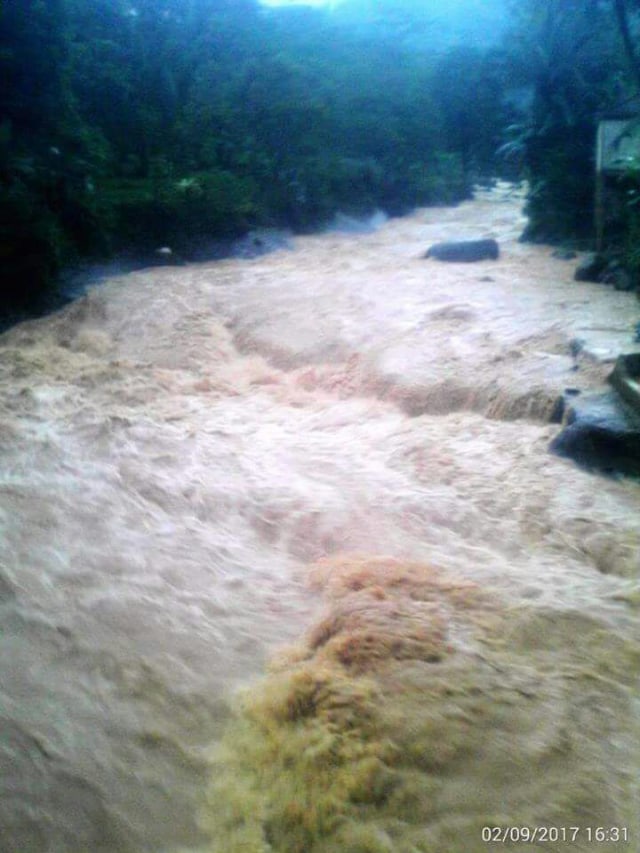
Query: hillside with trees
{"x": 129, "y": 125}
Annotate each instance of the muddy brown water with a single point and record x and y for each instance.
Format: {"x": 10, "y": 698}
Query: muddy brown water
{"x": 180, "y": 444}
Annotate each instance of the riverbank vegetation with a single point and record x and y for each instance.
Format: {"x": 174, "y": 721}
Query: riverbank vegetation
{"x": 125, "y": 126}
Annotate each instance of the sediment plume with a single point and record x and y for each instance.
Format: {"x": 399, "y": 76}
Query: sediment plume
{"x": 421, "y": 713}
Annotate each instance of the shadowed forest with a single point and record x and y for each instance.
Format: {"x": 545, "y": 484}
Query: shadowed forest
{"x": 127, "y": 125}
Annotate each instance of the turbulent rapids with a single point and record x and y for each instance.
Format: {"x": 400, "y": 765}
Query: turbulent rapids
{"x": 330, "y": 463}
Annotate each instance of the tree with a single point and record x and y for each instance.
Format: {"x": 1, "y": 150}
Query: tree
{"x": 566, "y": 53}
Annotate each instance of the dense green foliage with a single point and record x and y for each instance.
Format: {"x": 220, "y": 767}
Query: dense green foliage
{"x": 139, "y": 124}
{"x": 566, "y": 52}
{"x": 131, "y": 124}
{"x": 571, "y": 56}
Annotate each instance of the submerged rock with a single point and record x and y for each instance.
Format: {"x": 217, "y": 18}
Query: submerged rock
{"x": 599, "y": 268}
{"x": 464, "y": 251}
{"x": 618, "y": 277}
{"x": 261, "y": 241}
{"x": 563, "y": 254}
{"x": 590, "y": 267}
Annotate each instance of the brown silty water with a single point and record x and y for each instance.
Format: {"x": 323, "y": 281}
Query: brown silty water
{"x": 182, "y": 445}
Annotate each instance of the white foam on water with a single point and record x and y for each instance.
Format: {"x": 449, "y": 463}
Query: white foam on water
{"x": 178, "y": 445}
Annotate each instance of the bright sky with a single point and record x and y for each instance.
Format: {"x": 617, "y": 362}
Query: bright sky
{"x": 298, "y": 2}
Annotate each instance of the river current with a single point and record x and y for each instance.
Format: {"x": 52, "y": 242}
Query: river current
{"x": 181, "y": 444}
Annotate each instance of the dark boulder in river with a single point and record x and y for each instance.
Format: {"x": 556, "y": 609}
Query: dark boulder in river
{"x": 464, "y": 251}
{"x": 602, "y": 431}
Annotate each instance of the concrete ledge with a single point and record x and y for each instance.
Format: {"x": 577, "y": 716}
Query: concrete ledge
{"x": 626, "y": 378}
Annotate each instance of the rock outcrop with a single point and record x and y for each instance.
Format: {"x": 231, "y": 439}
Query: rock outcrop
{"x": 464, "y": 251}
{"x": 602, "y": 431}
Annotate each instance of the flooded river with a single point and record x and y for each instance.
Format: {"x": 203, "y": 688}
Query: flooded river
{"x": 185, "y": 450}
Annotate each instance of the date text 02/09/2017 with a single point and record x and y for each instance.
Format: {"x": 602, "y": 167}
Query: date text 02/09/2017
{"x": 531, "y": 834}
